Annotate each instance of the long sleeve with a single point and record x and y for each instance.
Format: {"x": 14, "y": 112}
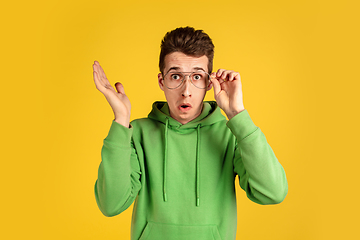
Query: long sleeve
{"x": 260, "y": 174}
{"x": 119, "y": 173}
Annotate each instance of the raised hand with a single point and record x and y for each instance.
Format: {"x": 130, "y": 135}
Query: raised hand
{"x": 117, "y": 99}
{"x": 228, "y": 91}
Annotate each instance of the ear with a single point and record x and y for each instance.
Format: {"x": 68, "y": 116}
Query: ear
{"x": 161, "y": 81}
{"x": 209, "y": 86}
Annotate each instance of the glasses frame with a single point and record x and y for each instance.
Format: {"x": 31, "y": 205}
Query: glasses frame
{"x": 185, "y": 75}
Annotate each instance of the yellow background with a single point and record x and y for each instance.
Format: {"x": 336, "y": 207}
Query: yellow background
{"x": 299, "y": 63}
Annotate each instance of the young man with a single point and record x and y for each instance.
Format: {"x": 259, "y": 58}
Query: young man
{"x": 179, "y": 164}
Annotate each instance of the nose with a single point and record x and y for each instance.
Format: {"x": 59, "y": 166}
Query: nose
{"x": 185, "y": 89}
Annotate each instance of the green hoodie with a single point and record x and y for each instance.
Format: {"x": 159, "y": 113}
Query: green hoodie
{"x": 182, "y": 176}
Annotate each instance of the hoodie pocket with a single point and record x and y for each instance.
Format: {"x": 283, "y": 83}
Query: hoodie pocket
{"x": 160, "y": 231}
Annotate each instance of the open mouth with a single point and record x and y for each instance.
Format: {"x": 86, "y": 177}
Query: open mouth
{"x": 184, "y": 107}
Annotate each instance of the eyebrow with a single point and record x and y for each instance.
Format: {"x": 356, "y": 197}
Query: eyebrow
{"x": 178, "y": 68}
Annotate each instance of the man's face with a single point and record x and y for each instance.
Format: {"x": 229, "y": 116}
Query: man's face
{"x": 185, "y": 102}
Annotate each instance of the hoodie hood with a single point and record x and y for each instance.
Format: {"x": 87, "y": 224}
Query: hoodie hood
{"x": 210, "y": 114}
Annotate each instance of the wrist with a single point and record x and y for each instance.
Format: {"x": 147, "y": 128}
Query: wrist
{"x": 232, "y": 113}
{"x": 122, "y": 121}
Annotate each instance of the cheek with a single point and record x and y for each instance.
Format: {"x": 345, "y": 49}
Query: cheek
{"x": 200, "y": 95}
{"x": 170, "y": 96}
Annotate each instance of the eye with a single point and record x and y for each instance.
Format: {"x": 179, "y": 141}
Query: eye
{"x": 197, "y": 77}
{"x": 175, "y": 77}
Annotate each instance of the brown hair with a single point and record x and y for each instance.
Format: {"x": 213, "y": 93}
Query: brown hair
{"x": 189, "y": 41}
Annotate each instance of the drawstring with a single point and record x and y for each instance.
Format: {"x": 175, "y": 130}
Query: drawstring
{"x": 165, "y": 158}
{"x": 198, "y": 167}
{"x": 197, "y": 181}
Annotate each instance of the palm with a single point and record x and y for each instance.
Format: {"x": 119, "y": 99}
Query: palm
{"x": 118, "y": 100}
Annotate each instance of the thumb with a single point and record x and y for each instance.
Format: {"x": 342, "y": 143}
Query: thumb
{"x": 216, "y": 84}
{"x": 119, "y": 88}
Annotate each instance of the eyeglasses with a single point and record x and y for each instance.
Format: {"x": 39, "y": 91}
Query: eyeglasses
{"x": 199, "y": 79}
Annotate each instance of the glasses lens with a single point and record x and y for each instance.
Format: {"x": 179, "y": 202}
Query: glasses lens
{"x": 200, "y": 79}
{"x": 174, "y": 79}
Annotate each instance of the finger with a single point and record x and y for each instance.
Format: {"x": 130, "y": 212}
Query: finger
{"x": 232, "y": 75}
{"x": 100, "y": 83}
{"x": 95, "y": 76}
{"x": 120, "y": 88}
{"x": 220, "y": 80}
{"x": 237, "y": 76}
{"x": 97, "y": 80}
{"x": 96, "y": 67}
{"x": 215, "y": 75}
{"x": 102, "y": 73}
{"x": 219, "y": 72}
{"x": 225, "y": 75}
{"x": 99, "y": 70}
{"x": 229, "y": 75}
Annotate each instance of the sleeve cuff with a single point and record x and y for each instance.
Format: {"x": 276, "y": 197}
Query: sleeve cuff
{"x": 241, "y": 125}
{"x": 119, "y": 135}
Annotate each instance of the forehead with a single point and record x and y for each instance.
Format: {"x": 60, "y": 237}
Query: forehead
{"x": 185, "y": 62}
